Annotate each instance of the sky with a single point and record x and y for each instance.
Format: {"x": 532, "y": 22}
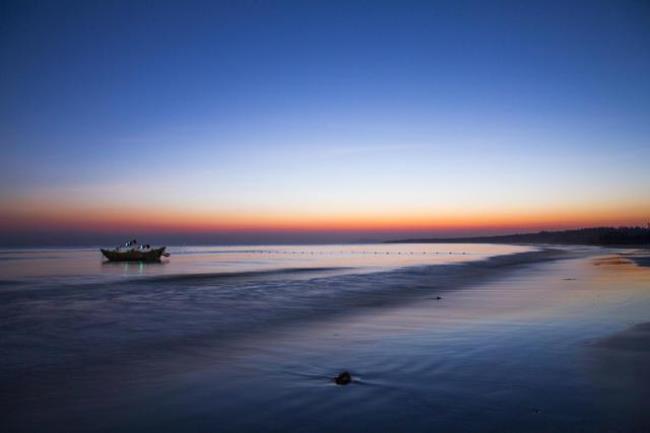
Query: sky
{"x": 272, "y": 121}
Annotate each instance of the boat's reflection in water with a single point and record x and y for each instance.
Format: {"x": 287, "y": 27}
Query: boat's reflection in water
{"x": 132, "y": 268}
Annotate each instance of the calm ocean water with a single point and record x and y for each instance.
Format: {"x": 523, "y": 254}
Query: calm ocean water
{"x": 87, "y": 265}
{"x": 247, "y": 339}
{"x": 64, "y": 305}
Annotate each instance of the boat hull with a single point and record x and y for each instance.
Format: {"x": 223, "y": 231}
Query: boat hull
{"x": 153, "y": 255}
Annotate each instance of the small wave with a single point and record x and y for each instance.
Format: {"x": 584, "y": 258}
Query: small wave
{"x": 26, "y": 258}
{"x": 234, "y": 275}
{"x": 62, "y": 286}
{"x": 9, "y": 283}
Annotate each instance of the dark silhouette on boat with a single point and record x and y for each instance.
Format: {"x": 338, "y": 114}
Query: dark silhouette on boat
{"x": 133, "y": 252}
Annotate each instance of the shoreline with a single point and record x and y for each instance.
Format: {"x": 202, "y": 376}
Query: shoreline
{"x": 506, "y": 332}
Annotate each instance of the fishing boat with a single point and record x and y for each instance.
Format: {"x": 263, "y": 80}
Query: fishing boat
{"x": 132, "y": 252}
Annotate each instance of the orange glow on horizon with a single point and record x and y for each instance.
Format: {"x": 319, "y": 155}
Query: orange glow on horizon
{"x": 45, "y": 217}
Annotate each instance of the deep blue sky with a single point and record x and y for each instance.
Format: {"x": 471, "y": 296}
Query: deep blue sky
{"x": 322, "y": 110}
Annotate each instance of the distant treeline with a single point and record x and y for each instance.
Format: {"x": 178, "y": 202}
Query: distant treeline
{"x": 587, "y": 236}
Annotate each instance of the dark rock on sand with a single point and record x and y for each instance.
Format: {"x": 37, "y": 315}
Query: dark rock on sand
{"x": 343, "y": 378}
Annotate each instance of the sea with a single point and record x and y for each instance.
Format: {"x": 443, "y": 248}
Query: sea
{"x": 436, "y": 337}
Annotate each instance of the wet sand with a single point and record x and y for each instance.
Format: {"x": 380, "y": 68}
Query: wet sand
{"x": 551, "y": 346}
{"x": 641, "y": 258}
{"x": 635, "y": 339}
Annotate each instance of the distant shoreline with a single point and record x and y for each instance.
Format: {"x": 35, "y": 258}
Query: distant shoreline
{"x": 597, "y": 236}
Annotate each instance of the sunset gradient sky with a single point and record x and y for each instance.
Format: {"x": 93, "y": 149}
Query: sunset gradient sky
{"x": 245, "y": 121}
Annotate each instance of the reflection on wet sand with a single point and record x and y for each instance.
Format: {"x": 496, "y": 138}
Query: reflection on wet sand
{"x": 547, "y": 343}
{"x": 635, "y": 338}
